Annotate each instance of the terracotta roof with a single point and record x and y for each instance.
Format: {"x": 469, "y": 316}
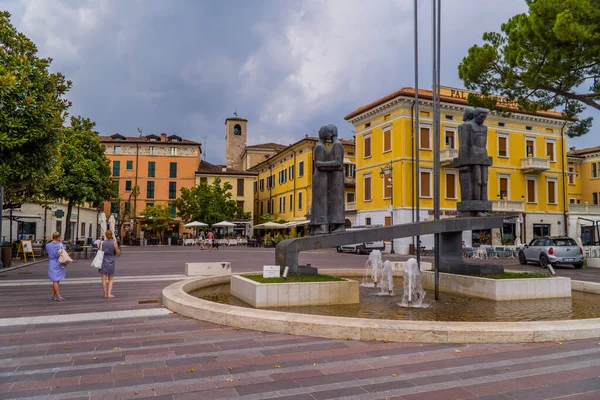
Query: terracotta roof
{"x": 143, "y": 139}
{"x": 580, "y": 152}
{"x": 269, "y": 146}
{"x": 208, "y": 168}
{"x": 427, "y": 95}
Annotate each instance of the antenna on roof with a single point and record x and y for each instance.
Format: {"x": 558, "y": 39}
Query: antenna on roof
{"x": 140, "y": 131}
{"x": 235, "y": 113}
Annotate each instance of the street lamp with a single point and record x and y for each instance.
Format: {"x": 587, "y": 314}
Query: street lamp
{"x": 387, "y": 170}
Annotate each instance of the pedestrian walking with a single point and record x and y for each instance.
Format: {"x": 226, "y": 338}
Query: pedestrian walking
{"x": 56, "y": 270}
{"x": 111, "y": 250}
{"x": 202, "y": 241}
{"x": 211, "y": 240}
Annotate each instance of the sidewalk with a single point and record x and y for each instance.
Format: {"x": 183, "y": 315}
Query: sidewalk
{"x": 129, "y": 347}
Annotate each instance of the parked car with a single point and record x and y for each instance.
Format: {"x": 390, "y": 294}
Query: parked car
{"x": 552, "y": 250}
{"x": 361, "y": 248}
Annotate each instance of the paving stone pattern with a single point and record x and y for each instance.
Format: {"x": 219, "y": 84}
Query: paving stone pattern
{"x": 173, "y": 357}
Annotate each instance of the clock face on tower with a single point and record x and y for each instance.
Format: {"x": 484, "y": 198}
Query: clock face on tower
{"x": 237, "y": 130}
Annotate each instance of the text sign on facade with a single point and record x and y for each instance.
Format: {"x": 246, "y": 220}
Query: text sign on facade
{"x": 271, "y": 271}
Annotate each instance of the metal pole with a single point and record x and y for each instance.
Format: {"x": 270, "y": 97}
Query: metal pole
{"x": 436, "y": 132}
{"x": 1, "y": 221}
{"x": 10, "y": 224}
{"x": 392, "y": 201}
{"x": 417, "y": 131}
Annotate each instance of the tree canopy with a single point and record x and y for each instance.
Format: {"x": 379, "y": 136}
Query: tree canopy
{"x": 208, "y": 203}
{"x": 548, "y": 58}
{"x": 157, "y": 218}
{"x": 32, "y": 111}
{"x": 84, "y": 174}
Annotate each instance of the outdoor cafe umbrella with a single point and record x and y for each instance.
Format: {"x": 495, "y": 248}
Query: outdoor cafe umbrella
{"x": 195, "y": 224}
{"x": 102, "y": 224}
{"x": 111, "y": 223}
{"x": 224, "y": 224}
{"x": 270, "y": 225}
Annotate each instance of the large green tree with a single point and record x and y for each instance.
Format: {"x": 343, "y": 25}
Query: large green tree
{"x": 548, "y": 58}
{"x": 32, "y": 111}
{"x": 84, "y": 171}
{"x": 157, "y": 219}
{"x": 208, "y": 203}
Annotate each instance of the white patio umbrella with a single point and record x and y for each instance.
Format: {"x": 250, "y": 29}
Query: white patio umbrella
{"x": 102, "y": 223}
{"x": 111, "y": 223}
{"x": 224, "y": 224}
{"x": 270, "y": 225}
{"x": 195, "y": 224}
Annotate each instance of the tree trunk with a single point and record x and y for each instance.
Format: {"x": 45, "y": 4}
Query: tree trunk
{"x": 68, "y": 222}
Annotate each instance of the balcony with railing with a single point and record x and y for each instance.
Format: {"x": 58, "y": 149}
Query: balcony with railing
{"x": 351, "y": 206}
{"x": 508, "y": 205}
{"x": 586, "y": 209}
{"x": 534, "y": 165}
{"x": 447, "y": 157}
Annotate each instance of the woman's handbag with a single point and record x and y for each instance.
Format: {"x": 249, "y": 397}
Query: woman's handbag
{"x": 97, "y": 261}
{"x": 63, "y": 256}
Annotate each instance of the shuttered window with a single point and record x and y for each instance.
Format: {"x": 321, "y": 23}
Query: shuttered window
{"x": 450, "y": 186}
{"x": 367, "y": 182}
{"x": 502, "y": 146}
{"x": 387, "y": 140}
{"x": 425, "y": 184}
{"x": 424, "y": 143}
{"x": 173, "y": 170}
{"x": 550, "y": 150}
{"x": 240, "y": 187}
{"x": 150, "y": 190}
{"x": 449, "y": 135}
{"x": 552, "y": 192}
{"x": 504, "y": 188}
{"x": 116, "y": 168}
{"x": 530, "y": 191}
{"x": 367, "y": 143}
{"x": 530, "y": 147}
{"x": 151, "y": 169}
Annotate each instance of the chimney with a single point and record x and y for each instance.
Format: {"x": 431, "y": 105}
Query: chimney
{"x": 572, "y": 148}
{"x": 306, "y": 136}
{"x": 163, "y": 137}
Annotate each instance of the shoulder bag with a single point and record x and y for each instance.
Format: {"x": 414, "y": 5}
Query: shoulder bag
{"x": 63, "y": 256}
{"x": 97, "y": 261}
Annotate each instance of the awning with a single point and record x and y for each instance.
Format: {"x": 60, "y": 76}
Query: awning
{"x": 223, "y": 224}
{"x": 195, "y": 224}
{"x": 291, "y": 224}
{"x": 18, "y": 215}
{"x": 270, "y": 225}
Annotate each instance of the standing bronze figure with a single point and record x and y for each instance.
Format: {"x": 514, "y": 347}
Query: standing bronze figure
{"x": 473, "y": 162}
{"x": 327, "y": 211}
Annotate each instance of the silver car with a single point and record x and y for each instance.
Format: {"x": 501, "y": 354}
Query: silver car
{"x": 553, "y": 250}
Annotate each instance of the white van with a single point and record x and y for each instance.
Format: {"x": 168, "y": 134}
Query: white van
{"x": 361, "y": 248}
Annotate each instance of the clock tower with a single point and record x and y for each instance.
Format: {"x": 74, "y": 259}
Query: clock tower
{"x": 235, "y": 141}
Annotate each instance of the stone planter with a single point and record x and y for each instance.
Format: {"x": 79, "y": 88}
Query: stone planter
{"x": 263, "y": 295}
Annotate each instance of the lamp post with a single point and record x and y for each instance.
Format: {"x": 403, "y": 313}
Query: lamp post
{"x": 387, "y": 170}
{"x": 1, "y": 221}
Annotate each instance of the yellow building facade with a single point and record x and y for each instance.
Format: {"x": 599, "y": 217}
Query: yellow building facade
{"x": 284, "y": 182}
{"x": 526, "y": 183}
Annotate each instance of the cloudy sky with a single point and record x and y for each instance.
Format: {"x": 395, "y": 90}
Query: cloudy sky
{"x": 288, "y": 66}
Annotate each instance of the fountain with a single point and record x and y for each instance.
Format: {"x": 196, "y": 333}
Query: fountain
{"x": 386, "y": 279}
{"x": 372, "y": 267}
{"x": 413, "y": 289}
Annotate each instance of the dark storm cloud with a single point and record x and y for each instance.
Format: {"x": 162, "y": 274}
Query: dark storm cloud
{"x": 288, "y": 66}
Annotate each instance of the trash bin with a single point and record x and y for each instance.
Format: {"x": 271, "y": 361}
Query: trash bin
{"x": 7, "y": 256}
{"x": 169, "y": 240}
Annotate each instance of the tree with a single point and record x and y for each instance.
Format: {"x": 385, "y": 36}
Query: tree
{"x": 208, "y": 203}
{"x": 157, "y": 219}
{"x": 126, "y": 211}
{"x": 85, "y": 175}
{"x": 542, "y": 60}
{"x": 32, "y": 111}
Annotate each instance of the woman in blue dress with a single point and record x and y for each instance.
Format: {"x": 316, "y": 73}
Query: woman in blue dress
{"x": 111, "y": 249}
{"x": 56, "y": 270}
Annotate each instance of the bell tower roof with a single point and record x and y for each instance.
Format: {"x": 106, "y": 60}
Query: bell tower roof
{"x": 235, "y": 118}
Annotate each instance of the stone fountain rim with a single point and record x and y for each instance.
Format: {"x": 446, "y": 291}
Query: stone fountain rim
{"x": 176, "y": 298}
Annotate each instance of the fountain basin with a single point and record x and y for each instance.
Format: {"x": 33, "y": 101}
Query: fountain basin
{"x": 500, "y": 289}
{"x": 263, "y": 295}
{"x": 177, "y": 299}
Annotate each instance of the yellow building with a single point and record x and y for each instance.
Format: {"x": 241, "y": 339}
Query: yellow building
{"x": 526, "y": 182}
{"x": 284, "y": 182}
{"x": 583, "y": 194}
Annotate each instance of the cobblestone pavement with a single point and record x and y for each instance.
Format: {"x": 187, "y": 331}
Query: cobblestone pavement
{"x": 102, "y": 353}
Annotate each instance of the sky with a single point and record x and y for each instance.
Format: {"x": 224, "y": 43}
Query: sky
{"x": 288, "y": 66}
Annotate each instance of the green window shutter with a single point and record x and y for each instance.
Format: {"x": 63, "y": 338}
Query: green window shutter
{"x": 173, "y": 212}
{"x": 151, "y": 169}
{"x": 114, "y": 207}
{"x": 150, "y": 190}
{"x": 127, "y": 207}
{"x": 173, "y": 170}
{"x": 172, "y": 190}
{"x": 116, "y": 168}
{"x": 129, "y": 164}
{"x": 128, "y": 186}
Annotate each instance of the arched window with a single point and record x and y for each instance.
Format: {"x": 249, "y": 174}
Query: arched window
{"x": 237, "y": 130}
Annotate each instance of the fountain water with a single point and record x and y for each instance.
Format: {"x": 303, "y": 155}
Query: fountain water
{"x": 413, "y": 289}
{"x": 386, "y": 281}
{"x": 372, "y": 268}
